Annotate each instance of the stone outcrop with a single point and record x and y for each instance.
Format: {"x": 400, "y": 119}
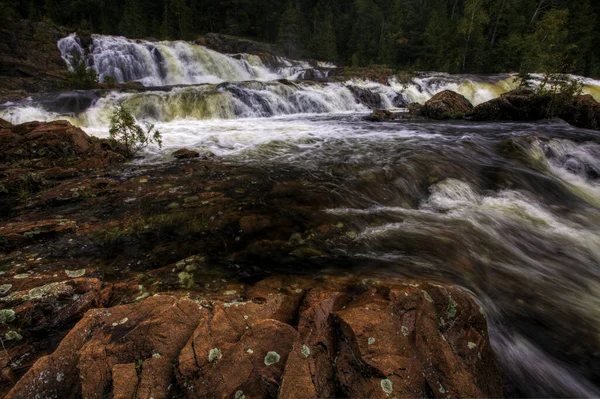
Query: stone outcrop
{"x": 283, "y": 337}
{"x": 516, "y": 105}
{"x": 446, "y": 105}
{"x": 527, "y": 105}
{"x": 35, "y": 155}
{"x": 366, "y": 97}
{"x": 582, "y": 111}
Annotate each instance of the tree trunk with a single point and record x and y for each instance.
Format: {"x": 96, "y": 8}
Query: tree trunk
{"x": 495, "y": 32}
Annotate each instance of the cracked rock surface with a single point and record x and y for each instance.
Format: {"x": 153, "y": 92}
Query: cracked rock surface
{"x": 283, "y": 337}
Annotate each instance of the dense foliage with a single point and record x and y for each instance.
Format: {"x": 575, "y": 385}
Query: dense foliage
{"x": 443, "y": 35}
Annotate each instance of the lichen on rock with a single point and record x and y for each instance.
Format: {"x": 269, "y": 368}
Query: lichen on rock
{"x": 272, "y": 358}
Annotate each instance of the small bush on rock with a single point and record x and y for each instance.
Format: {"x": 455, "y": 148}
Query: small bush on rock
{"x": 80, "y": 76}
{"x": 125, "y": 130}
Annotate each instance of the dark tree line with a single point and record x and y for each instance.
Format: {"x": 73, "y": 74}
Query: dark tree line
{"x": 479, "y": 36}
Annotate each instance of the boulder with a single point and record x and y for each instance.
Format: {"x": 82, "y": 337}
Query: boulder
{"x": 5, "y": 124}
{"x": 415, "y": 109}
{"x": 56, "y": 139}
{"x": 582, "y": 111}
{"x": 184, "y": 153}
{"x": 446, "y": 105}
{"x": 516, "y": 105}
{"x": 381, "y": 115}
{"x": 366, "y": 97}
{"x": 283, "y": 337}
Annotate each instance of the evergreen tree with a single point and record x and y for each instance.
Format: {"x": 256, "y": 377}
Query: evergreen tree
{"x": 292, "y": 32}
{"x": 323, "y": 44}
{"x": 474, "y": 20}
{"x": 133, "y": 23}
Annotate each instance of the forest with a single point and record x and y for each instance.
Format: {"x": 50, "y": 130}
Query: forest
{"x": 456, "y": 36}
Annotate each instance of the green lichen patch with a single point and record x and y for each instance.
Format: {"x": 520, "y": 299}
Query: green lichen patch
{"x": 442, "y": 389}
{"x": 427, "y": 297}
{"x": 305, "y": 351}
{"x": 214, "y": 355}
{"x": 186, "y": 279}
{"x": 7, "y": 316}
{"x": 240, "y": 395}
{"x": 387, "y": 386}
{"x": 122, "y": 321}
{"x": 13, "y": 336}
{"x": 451, "y": 313}
{"x": 4, "y": 288}
{"x": 272, "y": 358}
{"x": 404, "y": 331}
{"x": 48, "y": 291}
{"x": 75, "y": 273}
{"x": 471, "y": 345}
{"x": 21, "y": 276}
{"x": 371, "y": 340}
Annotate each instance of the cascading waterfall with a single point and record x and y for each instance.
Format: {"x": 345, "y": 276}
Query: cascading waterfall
{"x": 222, "y": 101}
{"x": 177, "y": 62}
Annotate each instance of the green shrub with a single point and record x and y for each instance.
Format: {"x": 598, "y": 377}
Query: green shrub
{"x": 109, "y": 81}
{"x": 80, "y": 76}
{"x": 560, "y": 89}
{"x": 125, "y": 130}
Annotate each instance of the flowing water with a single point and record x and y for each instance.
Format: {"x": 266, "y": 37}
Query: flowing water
{"x": 509, "y": 211}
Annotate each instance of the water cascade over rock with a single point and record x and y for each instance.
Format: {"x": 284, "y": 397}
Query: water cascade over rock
{"x": 178, "y": 62}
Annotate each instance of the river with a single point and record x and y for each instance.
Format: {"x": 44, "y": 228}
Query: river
{"x": 508, "y": 211}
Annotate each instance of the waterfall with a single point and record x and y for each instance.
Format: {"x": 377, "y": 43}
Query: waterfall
{"x": 215, "y": 101}
{"x": 168, "y": 63}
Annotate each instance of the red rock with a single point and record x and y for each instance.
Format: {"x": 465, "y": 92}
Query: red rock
{"x": 353, "y": 339}
{"x": 60, "y": 137}
{"x": 48, "y": 306}
{"x": 252, "y": 366}
{"x": 84, "y": 361}
{"x": 125, "y": 381}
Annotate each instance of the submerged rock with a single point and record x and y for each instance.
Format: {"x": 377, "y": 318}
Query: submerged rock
{"x": 381, "y": 115}
{"x": 284, "y": 337}
{"x": 185, "y": 153}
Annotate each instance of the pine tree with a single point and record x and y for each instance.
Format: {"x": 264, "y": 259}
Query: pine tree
{"x": 292, "y": 32}
{"x": 323, "y": 44}
{"x": 133, "y": 23}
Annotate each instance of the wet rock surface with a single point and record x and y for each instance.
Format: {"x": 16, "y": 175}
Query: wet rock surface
{"x": 526, "y": 105}
{"x": 519, "y": 105}
{"x": 381, "y": 116}
{"x": 185, "y": 153}
{"x": 444, "y": 105}
{"x": 281, "y": 337}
